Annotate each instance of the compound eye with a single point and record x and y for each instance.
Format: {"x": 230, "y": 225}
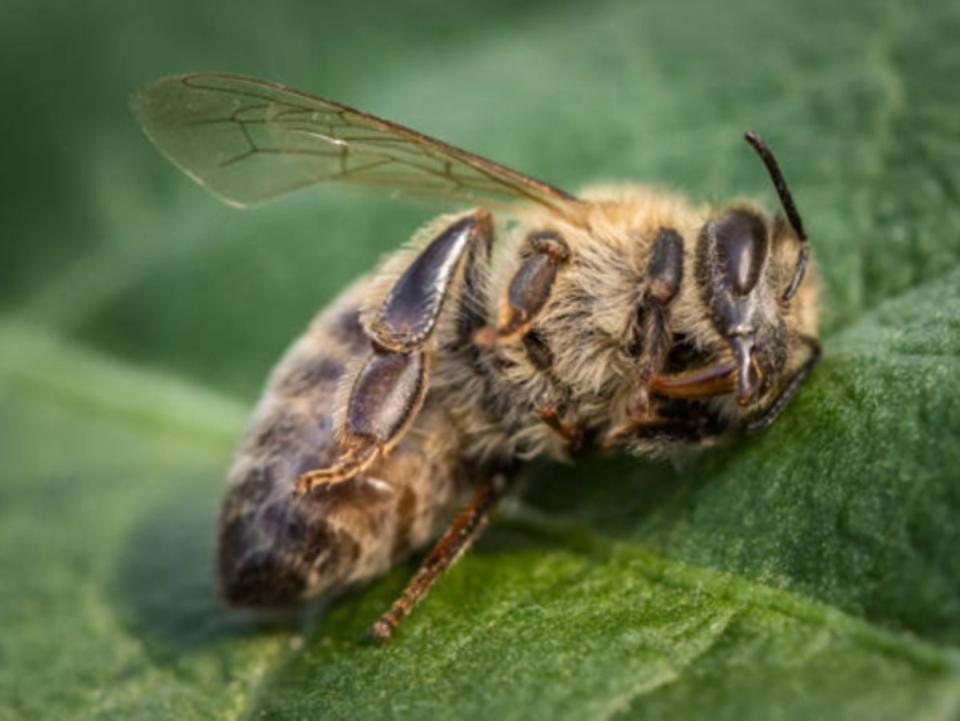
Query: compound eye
{"x": 741, "y": 249}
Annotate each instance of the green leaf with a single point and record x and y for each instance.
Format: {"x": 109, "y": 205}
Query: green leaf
{"x": 808, "y": 572}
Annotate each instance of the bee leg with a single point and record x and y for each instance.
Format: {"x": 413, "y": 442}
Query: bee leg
{"x": 708, "y": 381}
{"x": 655, "y": 339}
{"x": 638, "y": 424}
{"x": 551, "y": 411}
{"x": 409, "y": 313}
{"x": 529, "y": 288}
{"x": 573, "y": 435}
{"x": 390, "y": 387}
{"x": 464, "y": 530}
{"x": 651, "y": 342}
{"x": 384, "y": 400}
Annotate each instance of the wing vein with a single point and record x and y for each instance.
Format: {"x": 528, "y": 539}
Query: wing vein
{"x": 210, "y": 124}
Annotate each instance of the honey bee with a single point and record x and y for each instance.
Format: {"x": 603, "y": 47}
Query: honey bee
{"x": 623, "y": 316}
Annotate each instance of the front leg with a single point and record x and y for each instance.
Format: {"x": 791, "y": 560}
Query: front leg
{"x": 388, "y": 391}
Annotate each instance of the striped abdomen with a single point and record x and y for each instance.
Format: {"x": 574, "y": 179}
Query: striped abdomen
{"x": 276, "y": 547}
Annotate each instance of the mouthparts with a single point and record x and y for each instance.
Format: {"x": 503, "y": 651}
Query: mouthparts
{"x": 748, "y": 373}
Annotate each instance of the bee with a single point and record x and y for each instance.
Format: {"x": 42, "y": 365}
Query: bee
{"x": 623, "y": 316}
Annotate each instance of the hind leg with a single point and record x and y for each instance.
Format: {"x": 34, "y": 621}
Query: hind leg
{"x": 388, "y": 391}
{"x": 461, "y": 534}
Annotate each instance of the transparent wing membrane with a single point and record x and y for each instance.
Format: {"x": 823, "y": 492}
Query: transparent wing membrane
{"x": 250, "y": 140}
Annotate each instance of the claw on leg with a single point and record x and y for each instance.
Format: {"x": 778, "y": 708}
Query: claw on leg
{"x": 384, "y": 400}
{"x": 550, "y": 414}
{"x": 352, "y": 464}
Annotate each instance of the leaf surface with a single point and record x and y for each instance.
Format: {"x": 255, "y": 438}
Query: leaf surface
{"x": 809, "y": 572}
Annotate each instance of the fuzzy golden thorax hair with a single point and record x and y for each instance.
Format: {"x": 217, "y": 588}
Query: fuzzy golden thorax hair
{"x": 579, "y": 355}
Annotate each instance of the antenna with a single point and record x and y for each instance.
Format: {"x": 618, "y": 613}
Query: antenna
{"x": 789, "y": 207}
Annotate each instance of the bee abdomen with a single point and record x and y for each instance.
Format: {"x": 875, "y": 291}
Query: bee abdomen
{"x": 276, "y": 546}
{"x": 275, "y": 552}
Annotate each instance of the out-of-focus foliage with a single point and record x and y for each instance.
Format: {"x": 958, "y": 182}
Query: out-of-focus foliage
{"x": 808, "y": 572}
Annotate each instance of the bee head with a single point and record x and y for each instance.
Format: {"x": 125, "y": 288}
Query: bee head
{"x": 749, "y": 268}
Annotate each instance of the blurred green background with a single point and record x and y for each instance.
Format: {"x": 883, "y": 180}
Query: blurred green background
{"x": 809, "y": 572}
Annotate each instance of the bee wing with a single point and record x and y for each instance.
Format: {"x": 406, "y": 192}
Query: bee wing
{"x": 249, "y": 140}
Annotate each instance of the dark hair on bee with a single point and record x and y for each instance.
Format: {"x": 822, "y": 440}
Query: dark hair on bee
{"x": 789, "y": 207}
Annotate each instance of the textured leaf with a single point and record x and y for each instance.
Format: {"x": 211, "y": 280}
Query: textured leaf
{"x": 809, "y": 572}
